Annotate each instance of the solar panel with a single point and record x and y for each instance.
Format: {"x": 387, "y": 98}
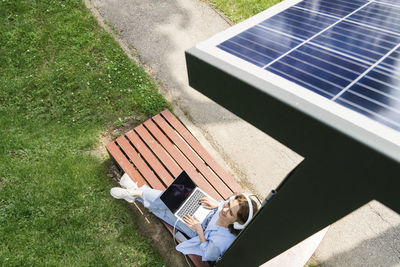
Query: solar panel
{"x": 323, "y": 78}
{"x": 346, "y": 51}
{"x": 337, "y": 61}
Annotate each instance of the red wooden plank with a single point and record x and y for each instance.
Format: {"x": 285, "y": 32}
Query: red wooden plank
{"x": 150, "y": 158}
{"x": 148, "y": 174}
{"x": 195, "y": 144}
{"x": 124, "y": 163}
{"x": 214, "y": 180}
{"x": 181, "y": 160}
{"x": 196, "y": 259}
{"x": 159, "y": 151}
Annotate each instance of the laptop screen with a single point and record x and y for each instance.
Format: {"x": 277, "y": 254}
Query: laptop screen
{"x": 178, "y": 191}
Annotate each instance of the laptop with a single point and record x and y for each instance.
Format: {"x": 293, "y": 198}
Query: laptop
{"x": 182, "y": 197}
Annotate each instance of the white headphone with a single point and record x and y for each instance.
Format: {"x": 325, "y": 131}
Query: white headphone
{"x": 237, "y": 225}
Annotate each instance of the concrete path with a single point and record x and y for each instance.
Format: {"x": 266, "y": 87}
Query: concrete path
{"x": 159, "y": 32}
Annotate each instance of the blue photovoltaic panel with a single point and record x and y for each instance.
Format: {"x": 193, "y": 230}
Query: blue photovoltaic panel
{"x": 357, "y": 41}
{"x": 322, "y": 71}
{"x": 254, "y": 47}
{"x": 392, "y": 2}
{"x": 298, "y": 23}
{"x": 392, "y": 62}
{"x": 377, "y": 94}
{"x": 333, "y": 8}
{"x": 382, "y": 16}
{"x": 344, "y": 50}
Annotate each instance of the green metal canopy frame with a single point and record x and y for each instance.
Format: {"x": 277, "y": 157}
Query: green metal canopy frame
{"x": 339, "y": 174}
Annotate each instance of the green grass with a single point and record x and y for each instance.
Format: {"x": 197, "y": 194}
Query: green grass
{"x": 239, "y": 10}
{"x": 63, "y": 81}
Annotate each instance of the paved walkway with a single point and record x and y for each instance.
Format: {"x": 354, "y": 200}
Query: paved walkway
{"x": 160, "y": 31}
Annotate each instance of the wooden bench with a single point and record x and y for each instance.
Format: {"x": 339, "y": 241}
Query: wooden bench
{"x": 156, "y": 152}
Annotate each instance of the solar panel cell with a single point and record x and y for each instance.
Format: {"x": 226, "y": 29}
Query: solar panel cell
{"x": 343, "y": 65}
{"x": 384, "y": 84}
{"x": 366, "y": 35}
{"x": 392, "y": 2}
{"x": 258, "y": 45}
{"x": 302, "y": 74}
{"x": 326, "y": 73}
{"x": 381, "y": 16}
{"x": 270, "y": 38}
{"x": 244, "y": 53}
{"x": 299, "y": 23}
{"x": 335, "y": 8}
{"x": 384, "y": 94}
{"x": 344, "y": 41}
{"x": 370, "y": 108}
{"x": 270, "y": 51}
{"x": 392, "y": 63}
{"x": 346, "y": 51}
{"x": 304, "y": 64}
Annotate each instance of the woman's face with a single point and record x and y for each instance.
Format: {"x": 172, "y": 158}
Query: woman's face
{"x": 229, "y": 211}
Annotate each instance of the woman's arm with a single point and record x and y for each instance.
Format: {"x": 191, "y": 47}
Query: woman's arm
{"x": 201, "y": 235}
{"x": 195, "y": 225}
{"x": 217, "y": 243}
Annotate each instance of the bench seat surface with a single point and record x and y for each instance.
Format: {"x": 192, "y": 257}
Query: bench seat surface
{"x": 156, "y": 152}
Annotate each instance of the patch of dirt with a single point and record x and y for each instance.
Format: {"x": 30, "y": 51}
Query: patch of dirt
{"x": 151, "y": 227}
{"x": 112, "y": 133}
{"x": 20, "y": 153}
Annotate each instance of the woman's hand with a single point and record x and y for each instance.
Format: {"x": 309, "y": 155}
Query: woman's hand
{"x": 209, "y": 203}
{"x": 193, "y": 223}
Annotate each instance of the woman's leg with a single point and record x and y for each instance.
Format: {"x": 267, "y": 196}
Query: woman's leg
{"x": 150, "y": 198}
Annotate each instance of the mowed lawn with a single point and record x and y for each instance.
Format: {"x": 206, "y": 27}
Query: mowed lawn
{"x": 63, "y": 82}
{"x": 239, "y": 10}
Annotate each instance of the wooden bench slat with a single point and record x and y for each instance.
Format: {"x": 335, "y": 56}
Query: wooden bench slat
{"x": 196, "y": 146}
{"x": 124, "y": 163}
{"x": 148, "y": 174}
{"x": 131, "y": 171}
{"x": 181, "y": 160}
{"x": 150, "y": 158}
{"x": 171, "y": 166}
{"x": 156, "y": 151}
{"x": 193, "y": 157}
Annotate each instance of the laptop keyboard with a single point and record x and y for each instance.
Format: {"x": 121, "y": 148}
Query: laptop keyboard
{"x": 191, "y": 205}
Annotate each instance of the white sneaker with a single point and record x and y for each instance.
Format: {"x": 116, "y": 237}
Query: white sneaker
{"x": 127, "y": 182}
{"x": 121, "y": 193}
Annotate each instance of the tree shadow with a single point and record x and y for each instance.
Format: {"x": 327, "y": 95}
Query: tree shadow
{"x": 160, "y": 31}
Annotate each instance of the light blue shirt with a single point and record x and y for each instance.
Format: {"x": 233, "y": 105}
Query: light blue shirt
{"x": 218, "y": 239}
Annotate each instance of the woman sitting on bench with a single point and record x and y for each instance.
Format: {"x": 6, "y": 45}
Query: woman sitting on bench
{"x": 209, "y": 239}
